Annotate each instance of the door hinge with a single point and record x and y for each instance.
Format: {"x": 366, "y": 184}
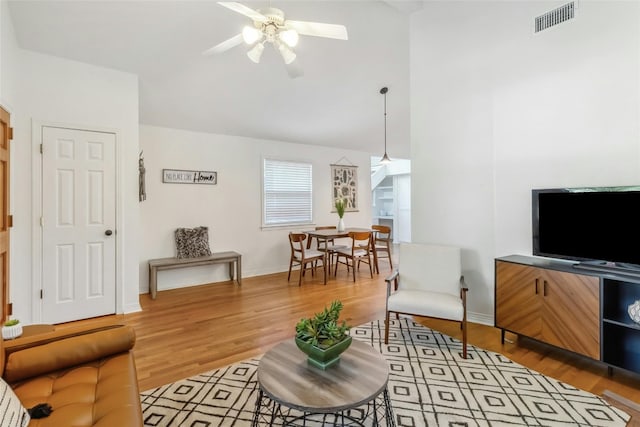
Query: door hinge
{"x": 10, "y": 133}
{"x": 41, "y": 294}
{"x": 10, "y": 221}
{"x": 9, "y": 309}
{"x": 41, "y": 221}
{"x": 41, "y": 149}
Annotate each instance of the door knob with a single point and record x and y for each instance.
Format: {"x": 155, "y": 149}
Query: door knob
{"x": 108, "y": 232}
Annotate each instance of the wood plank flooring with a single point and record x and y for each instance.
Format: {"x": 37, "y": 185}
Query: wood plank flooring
{"x": 192, "y": 330}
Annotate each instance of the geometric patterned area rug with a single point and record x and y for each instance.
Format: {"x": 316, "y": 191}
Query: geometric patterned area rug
{"x": 430, "y": 384}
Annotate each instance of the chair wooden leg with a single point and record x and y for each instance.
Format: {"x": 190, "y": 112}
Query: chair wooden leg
{"x": 290, "y": 266}
{"x": 386, "y": 328}
{"x": 332, "y": 261}
{"x": 324, "y": 269}
{"x": 377, "y": 267}
{"x": 353, "y": 264}
{"x": 464, "y": 338}
{"x": 332, "y": 257}
{"x": 371, "y": 268}
{"x": 302, "y": 267}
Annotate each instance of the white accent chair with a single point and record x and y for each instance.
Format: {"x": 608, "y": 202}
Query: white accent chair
{"x": 429, "y": 283}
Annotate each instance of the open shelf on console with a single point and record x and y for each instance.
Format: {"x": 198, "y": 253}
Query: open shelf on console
{"x": 621, "y": 347}
{"x": 617, "y": 295}
{"x": 620, "y": 334}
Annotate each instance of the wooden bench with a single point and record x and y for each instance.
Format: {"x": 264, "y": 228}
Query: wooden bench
{"x": 229, "y": 257}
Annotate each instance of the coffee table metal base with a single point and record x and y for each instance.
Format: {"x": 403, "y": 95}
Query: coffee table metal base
{"x": 377, "y": 412}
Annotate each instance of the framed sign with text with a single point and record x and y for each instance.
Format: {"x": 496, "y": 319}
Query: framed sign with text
{"x": 177, "y": 176}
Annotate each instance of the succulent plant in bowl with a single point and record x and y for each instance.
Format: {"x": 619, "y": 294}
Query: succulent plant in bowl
{"x": 322, "y": 337}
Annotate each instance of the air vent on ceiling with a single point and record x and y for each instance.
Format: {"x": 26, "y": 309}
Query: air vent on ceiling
{"x": 555, "y": 16}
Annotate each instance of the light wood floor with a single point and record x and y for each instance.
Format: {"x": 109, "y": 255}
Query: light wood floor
{"x": 192, "y": 330}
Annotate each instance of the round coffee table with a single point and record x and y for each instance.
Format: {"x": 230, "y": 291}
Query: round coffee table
{"x": 351, "y": 393}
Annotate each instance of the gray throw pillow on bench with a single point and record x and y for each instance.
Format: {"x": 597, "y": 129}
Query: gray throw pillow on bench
{"x": 192, "y": 242}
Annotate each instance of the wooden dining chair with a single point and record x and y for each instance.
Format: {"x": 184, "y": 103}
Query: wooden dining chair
{"x": 328, "y": 245}
{"x": 358, "y": 252}
{"x": 382, "y": 244}
{"x": 303, "y": 257}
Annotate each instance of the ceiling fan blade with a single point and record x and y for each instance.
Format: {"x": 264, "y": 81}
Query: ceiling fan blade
{"x": 225, "y": 45}
{"x": 244, "y": 10}
{"x": 318, "y": 29}
{"x": 294, "y": 69}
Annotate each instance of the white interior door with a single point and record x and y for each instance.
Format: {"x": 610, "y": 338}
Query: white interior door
{"x": 78, "y": 224}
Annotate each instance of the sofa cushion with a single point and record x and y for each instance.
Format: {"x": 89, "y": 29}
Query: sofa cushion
{"x": 68, "y": 352}
{"x": 12, "y": 413}
{"x": 432, "y": 304}
{"x": 102, "y": 393}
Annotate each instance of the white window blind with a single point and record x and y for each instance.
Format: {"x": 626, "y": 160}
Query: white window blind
{"x": 287, "y": 197}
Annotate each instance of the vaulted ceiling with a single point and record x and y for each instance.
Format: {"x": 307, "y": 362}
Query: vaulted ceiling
{"x": 335, "y": 103}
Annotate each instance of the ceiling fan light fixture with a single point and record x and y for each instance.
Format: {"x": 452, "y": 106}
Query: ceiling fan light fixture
{"x": 250, "y": 35}
{"x": 255, "y": 52}
{"x": 290, "y": 37}
{"x": 287, "y": 54}
{"x": 270, "y": 26}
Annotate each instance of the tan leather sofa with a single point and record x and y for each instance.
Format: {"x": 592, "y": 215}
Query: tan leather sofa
{"x": 88, "y": 377}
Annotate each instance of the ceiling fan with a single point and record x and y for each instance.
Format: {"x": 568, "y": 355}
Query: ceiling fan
{"x": 270, "y": 26}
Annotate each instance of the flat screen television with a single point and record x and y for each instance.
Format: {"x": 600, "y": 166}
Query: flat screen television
{"x": 598, "y": 225}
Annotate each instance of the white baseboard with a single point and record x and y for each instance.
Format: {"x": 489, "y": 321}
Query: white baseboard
{"x": 482, "y": 318}
{"x": 132, "y": 308}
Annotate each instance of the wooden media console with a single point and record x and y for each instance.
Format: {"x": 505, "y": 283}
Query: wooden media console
{"x": 559, "y": 303}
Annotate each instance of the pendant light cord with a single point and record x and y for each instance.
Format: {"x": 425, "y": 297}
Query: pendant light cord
{"x": 385, "y": 121}
{"x": 384, "y": 91}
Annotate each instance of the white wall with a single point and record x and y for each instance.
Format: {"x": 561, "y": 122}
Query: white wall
{"x": 50, "y": 90}
{"x": 8, "y": 73}
{"x": 498, "y": 110}
{"x": 7, "y": 42}
{"x": 8, "y": 59}
{"x": 232, "y": 208}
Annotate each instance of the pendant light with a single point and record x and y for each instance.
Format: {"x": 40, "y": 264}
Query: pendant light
{"x": 385, "y": 159}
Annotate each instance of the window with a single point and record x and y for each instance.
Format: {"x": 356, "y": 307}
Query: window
{"x": 287, "y": 195}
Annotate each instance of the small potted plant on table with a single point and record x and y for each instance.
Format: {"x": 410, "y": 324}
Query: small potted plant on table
{"x": 322, "y": 338}
{"x": 11, "y": 329}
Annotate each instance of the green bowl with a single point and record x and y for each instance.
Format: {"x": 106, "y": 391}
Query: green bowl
{"x": 326, "y": 358}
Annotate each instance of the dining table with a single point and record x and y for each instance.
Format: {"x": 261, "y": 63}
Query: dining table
{"x": 324, "y": 235}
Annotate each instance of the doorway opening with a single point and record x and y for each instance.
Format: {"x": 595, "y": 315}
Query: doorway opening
{"x": 391, "y": 197}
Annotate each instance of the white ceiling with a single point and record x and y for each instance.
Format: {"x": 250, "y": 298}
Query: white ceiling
{"x": 335, "y": 103}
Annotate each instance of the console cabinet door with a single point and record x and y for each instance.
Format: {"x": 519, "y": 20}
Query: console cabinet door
{"x": 556, "y": 307}
{"x": 518, "y": 306}
{"x": 571, "y": 314}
